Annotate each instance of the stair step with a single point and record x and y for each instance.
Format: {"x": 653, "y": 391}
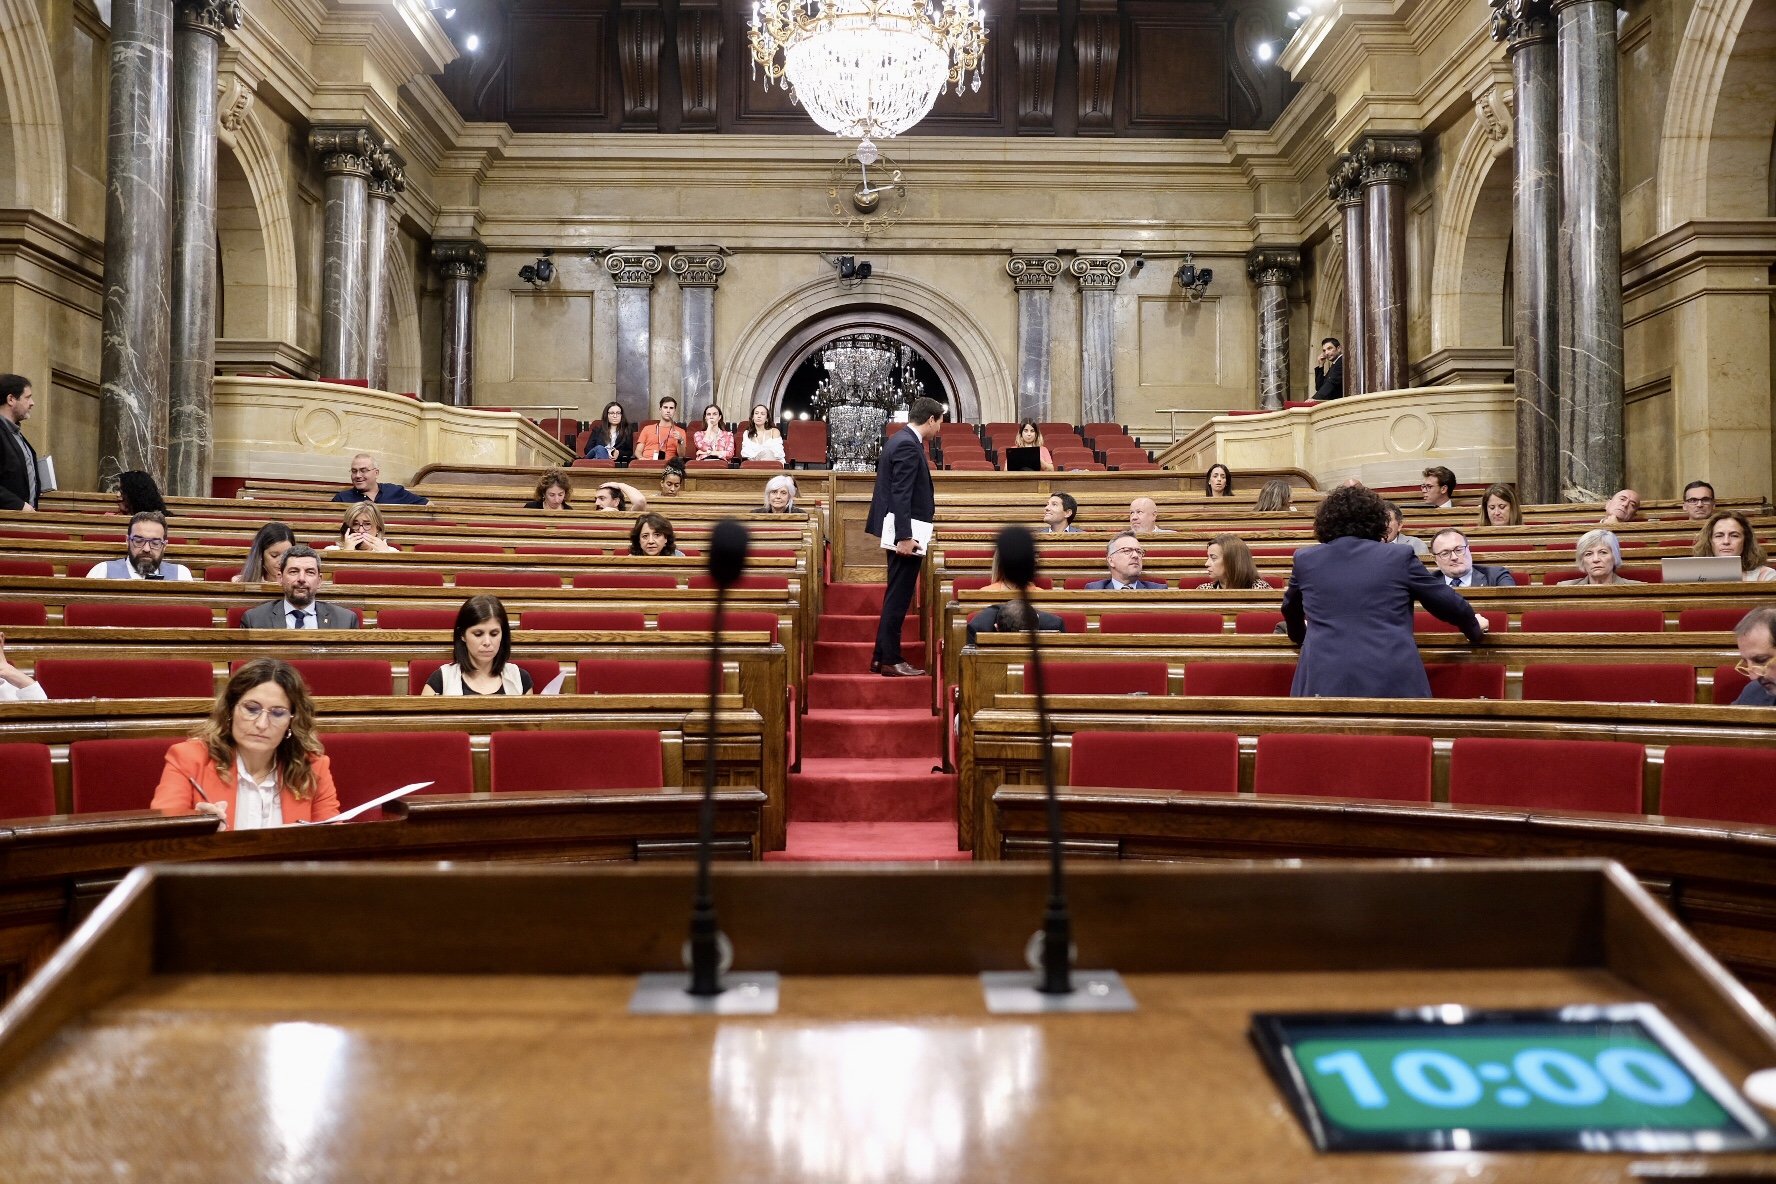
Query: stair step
{"x": 871, "y": 791}
{"x": 826, "y": 691}
{"x": 862, "y": 734}
{"x": 843, "y": 657}
{"x": 855, "y": 599}
{"x": 845, "y": 627}
{"x": 869, "y": 842}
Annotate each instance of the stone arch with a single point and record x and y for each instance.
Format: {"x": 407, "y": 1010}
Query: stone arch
{"x": 1473, "y": 244}
{"x": 258, "y": 241}
{"x": 33, "y": 158}
{"x": 404, "y": 368}
{"x": 1719, "y": 114}
{"x": 1327, "y": 317}
{"x": 766, "y": 352}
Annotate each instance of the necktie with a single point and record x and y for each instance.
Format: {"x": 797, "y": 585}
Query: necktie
{"x": 1455, "y": 581}
{"x": 301, "y": 618}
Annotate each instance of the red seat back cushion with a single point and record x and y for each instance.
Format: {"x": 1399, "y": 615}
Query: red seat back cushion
{"x": 23, "y": 613}
{"x": 416, "y": 618}
{"x": 1633, "y": 682}
{"x": 1728, "y": 683}
{"x": 345, "y": 676}
{"x": 388, "y": 577}
{"x": 138, "y": 616}
{"x": 625, "y": 676}
{"x": 1426, "y": 623}
{"x": 624, "y": 579}
{"x": 1585, "y": 620}
{"x": 367, "y": 765}
{"x": 507, "y": 579}
{"x": 459, "y": 548}
{"x": 117, "y": 774}
{"x": 1100, "y": 678}
{"x": 1466, "y": 680}
{"x": 27, "y": 784}
{"x": 1709, "y": 620}
{"x": 103, "y": 678}
{"x": 615, "y": 620}
{"x": 1257, "y": 622}
{"x": 1546, "y": 774}
{"x": 1392, "y": 768}
{"x": 1159, "y": 623}
{"x": 1266, "y": 679}
{"x": 741, "y": 622}
{"x": 1723, "y": 784}
{"x": 582, "y": 759}
{"x": 758, "y": 583}
{"x": 1197, "y": 762}
{"x": 26, "y": 567}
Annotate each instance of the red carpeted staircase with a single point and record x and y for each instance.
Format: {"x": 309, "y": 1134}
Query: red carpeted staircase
{"x": 866, "y": 790}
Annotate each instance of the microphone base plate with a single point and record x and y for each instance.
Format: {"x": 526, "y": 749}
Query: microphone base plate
{"x": 743, "y": 993}
{"x": 1013, "y": 992}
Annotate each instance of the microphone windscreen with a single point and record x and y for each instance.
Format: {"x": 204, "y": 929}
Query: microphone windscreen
{"x": 727, "y": 552}
{"x": 1017, "y": 556}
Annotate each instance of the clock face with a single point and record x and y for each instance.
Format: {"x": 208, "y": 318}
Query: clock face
{"x": 868, "y": 196}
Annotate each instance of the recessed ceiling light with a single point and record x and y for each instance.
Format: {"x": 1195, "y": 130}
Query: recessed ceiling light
{"x": 473, "y": 42}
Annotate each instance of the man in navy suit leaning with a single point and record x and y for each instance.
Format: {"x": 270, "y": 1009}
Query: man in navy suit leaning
{"x": 1125, "y": 555}
{"x": 1456, "y": 561}
{"x": 903, "y": 489}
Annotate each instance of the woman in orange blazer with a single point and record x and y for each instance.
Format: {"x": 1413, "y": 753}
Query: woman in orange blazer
{"x": 262, "y": 728}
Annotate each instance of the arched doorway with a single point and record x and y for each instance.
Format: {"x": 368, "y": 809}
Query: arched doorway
{"x": 787, "y": 379}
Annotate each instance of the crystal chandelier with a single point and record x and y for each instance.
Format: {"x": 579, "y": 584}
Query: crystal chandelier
{"x": 867, "y": 370}
{"x": 867, "y": 67}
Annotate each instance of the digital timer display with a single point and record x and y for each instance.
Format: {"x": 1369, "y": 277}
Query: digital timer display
{"x": 1603, "y": 1078}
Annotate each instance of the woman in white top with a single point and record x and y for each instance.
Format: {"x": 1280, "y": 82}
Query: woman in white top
{"x": 362, "y": 530}
{"x": 15, "y": 685}
{"x": 761, "y": 441}
{"x": 1727, "y": 534}
{"x": 483, "y": 651}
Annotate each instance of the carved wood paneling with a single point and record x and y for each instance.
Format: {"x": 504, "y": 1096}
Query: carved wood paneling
{"x": 699, "y": 35}
{"x": 641, "y": 33}
{"x": 1177, "y": 69}
{"x": 1097, "y": 48}
{"x": 556, "y": 72}
{"x": 1037, "y": 45}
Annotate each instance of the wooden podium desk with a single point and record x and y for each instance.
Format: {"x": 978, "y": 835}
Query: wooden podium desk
{"x": 446, "y": 1023}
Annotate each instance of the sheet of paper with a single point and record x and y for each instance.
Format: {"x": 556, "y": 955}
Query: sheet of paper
{"x": 554, "y": 685}
{"x": 921, "y": 535}
{"x": 391, "y": 795}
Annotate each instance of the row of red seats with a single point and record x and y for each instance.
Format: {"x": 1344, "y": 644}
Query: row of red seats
{"x": 122, "y": 774}
{"x": 1536, "y": 620}
{"x": 1549, "y": 682}
{"x": 1646, "y": 575}
{"x": 30, "y": 613}
{"x": 1721, "y": 784}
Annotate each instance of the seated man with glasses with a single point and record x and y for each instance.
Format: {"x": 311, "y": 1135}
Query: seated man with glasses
{"x": 1456, "y": 561}
{"x": 367, "y": 486}
{"x": 1125, "y": 555}
{"x": 147, "y": 554}
{"x": 1756, "y": 637}
{"x": 299, "y": 573}
{"x": 1698, "y": 500}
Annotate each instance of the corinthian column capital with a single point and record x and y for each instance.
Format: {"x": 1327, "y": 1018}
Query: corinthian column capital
{"x": 1344, "y": 180}
{"x": 1522, "y": 22}
{"x": 344, "y": 151}
{"x": 1273, "y": 265}
{"x": 459, "y": 259}
{"x": 1388, "y": 158}
{"x": 214, "y": 17}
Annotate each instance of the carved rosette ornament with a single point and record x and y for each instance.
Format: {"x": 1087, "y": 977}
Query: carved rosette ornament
{"x": 1388, "y": 158}
{"x": 1273, "y": 265}
{"x": 633, "y": 269}
{"x": 1033, "y": 272}
{"x": 1098, "y": 273}
{"x": 388, "y": 173}
{"x": 344, "y": 151}
{"x": 1521, "y": 22}
{"x": 1344, "y": 183}
{"x": 694, "y": 270}
{"x": 459, "y": 259}
{"x": 214, "y": 17}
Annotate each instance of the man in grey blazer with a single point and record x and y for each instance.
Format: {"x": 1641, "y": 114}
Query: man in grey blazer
{"x": 1455, "y": 559}
{"x": 299, "y": 572}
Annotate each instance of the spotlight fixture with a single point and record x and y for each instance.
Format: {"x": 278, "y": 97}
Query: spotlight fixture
{"x": 539, "y": 273}
{"x": 1265, "y": 51}
{"x": 851, "y": 269}
{"x": 473, "y": 43}
{"x": 1194, "y": 280}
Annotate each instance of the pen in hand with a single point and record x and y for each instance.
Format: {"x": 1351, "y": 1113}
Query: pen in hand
{"x": 219, "y": 809}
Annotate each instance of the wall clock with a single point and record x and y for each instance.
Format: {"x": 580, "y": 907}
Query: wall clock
{"x": 867, "y": 191}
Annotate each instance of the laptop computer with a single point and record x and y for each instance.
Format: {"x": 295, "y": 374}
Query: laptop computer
{"x": 1023, "y": 460}
{"x": 1692, "y": 569}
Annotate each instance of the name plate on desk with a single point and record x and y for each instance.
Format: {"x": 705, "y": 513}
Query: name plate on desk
{"x": 1618, "y": 1078}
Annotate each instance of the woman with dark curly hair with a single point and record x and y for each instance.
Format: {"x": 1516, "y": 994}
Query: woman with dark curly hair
{"x": 1349, "y": 605}
{"x": 137, "y": 493}
{"x": 653, "y": 535}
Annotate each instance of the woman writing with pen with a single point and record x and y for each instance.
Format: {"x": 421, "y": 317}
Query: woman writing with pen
{"x": 256, "y": 762}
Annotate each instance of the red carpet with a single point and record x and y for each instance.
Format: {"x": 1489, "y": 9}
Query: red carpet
{"x": 866, "y": 791}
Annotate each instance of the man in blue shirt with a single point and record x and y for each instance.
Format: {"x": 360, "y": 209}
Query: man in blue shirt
{"x": 366, "y": 488}
{"x": 1756, "y": 636}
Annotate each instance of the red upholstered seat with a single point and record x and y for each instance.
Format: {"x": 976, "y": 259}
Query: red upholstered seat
{"x": 1633, "y": 682}
{"x": 804, "y": 442}
{"x": 582, "y": 759}
{"x": 637, "y": 676}
{"x": 773, "y": 553}
{"x": 416, "y": 618}
{"x": 388, "y": 577}
{"x": 542, "y": 672}
{"x": 758, "y": 583}
{"x": 117, "y": 774}
{"x": 1198, "y": 762}
{"x": 367, "y": 765}
{"x": 1709, "y": 620}
{"x": 1257, "y": 622}
{"x": 235, "y": 613}
{"x": 27, "y": 784}
{"x": 22, "y": 613}
{"x": 771, "y": 464}
{"x": 460, "y": 548}
{"x": 507, "y": 579}
{"x": 1588, "y": 620}
{"x": 1267, "y": 679}
{"x": 587, "y": 463}
{"x": 1394, "y": 768}
{"x": 1074, "y": 621}
{"x": 1645, "y": 575}
{"x": 625, "y": 579}
{"x": 1466, "y": 680}
{"x": 594, "y": 551}
{"x": 1724, "y": 784}
{"x": 105, "y": 678}
{"x": 221, "y": 573}
{"x": 583, "y": 618}
{"x": 1159, "y": 623}
{"x": 1100, "y": 678}
{"x": 1546, "y": 774}
{"x": 1728, "y": 683}
{"x": 732, "y": 622}
{"x": 137, "y": 616}
{"x": 345, "y": 676}
{"x": 26, "y": 567}
{"x": 37, "y": 535}
{"x": 1423, "y": 622}
{"x": 1185, "y": 583}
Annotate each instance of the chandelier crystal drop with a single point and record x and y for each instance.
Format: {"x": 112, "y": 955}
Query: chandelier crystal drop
{"x": 868, "y": 68}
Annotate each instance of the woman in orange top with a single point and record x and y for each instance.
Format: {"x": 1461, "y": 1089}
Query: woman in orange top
{"x": 256, "y": 762}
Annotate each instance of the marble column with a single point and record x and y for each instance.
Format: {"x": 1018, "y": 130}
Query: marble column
{"x": 1033, "y": 277}
{"x": 1527, "y": 28}
{"x": 387, "y": 180}
{"x": 345, "y": 158}
{"x": 133, "y": 362}
{"x": 1590, "y": 250}
{"x": 1387, "y": 162}
{"x": 199, "y": 27}
{"x": 461, "y": 262}
{"x": 1345, "y": 189}
{"x": 1273, "y": 269}
{"x": 698, "y": 274}
{"x": 1098, "y": 276}
{"x": 634, "y": 272}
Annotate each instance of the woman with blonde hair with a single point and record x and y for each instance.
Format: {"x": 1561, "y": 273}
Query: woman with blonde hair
{"x": 780, "y": 495}
{"x": 1275, "y": 496}
{"x": 1230, "y": 565}
{"x": 552, "y": 492}
{"x": 362, "y": 530}
{"x": 1598, "y": 555}
{"x": 1728, "y": 535}
{"x": 256, "y": 762}
{"x": 1498, "y": 506}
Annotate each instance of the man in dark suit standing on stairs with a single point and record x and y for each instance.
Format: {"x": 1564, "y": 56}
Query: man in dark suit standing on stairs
{"x": 903, "y": 489}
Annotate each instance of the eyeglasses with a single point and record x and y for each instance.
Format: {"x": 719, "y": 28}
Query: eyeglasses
{"x": 1752, "y": 669}
{"x": 363, "y": 472}
{"x": 137, "y": 540}
{"x": 1451, "y": 552}
{"x": 276, "y": 715}
{"x": 1128, "y": 551}
{"x": 1698, "y": 501}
